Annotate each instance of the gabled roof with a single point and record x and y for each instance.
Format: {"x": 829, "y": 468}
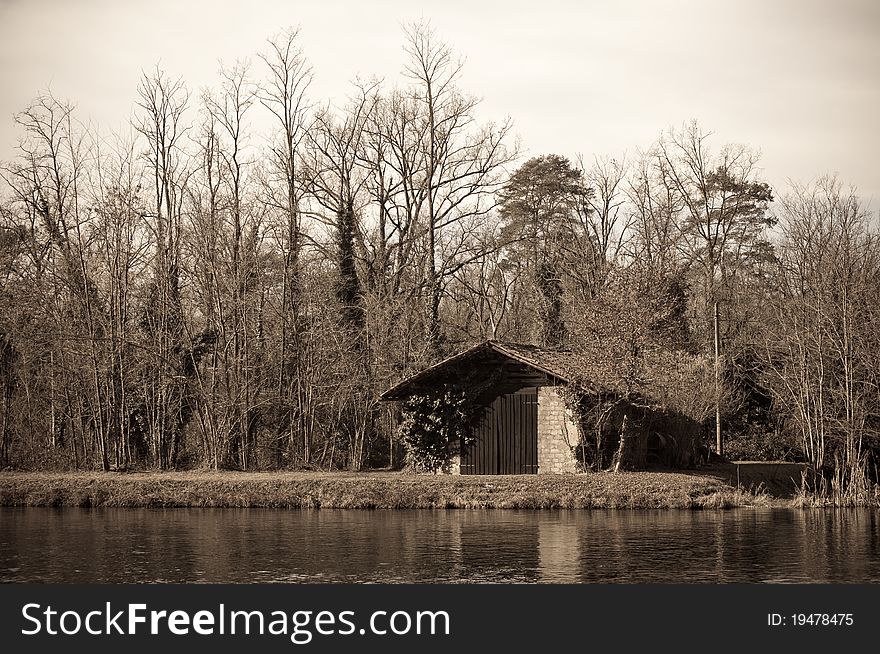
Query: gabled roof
{"x": 665, "y": 378}
{"x": 561, "y": 366}
{"x": 564, "y": 365}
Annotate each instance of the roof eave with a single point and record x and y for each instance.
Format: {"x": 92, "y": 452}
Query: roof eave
{"x": 392, "y": 394}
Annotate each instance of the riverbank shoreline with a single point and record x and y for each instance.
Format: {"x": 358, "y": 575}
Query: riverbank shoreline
{"x": 379, "y": 490}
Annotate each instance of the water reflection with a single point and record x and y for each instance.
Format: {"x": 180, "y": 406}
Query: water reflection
{"x": 226, "y": 545}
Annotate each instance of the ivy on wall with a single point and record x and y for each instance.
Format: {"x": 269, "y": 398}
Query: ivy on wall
{"x": 433, "y": 423}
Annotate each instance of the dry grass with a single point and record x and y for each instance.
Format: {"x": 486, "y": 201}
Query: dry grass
{"x": 375, "y": 490}
{"x": 846, "y": 488}
{"x": 779, "y": 479}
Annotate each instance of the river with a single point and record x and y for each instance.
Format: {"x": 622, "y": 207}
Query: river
{"x": 70, "y": 545}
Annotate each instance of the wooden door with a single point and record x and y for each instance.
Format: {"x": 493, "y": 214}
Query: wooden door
{"x": 506, "y": 437}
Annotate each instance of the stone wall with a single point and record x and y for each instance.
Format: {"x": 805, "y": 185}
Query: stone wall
{"x": 557, "y": 433}
{"x": 454, "y": 460}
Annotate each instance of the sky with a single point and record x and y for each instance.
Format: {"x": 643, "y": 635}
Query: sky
{"x": 798, "y": 80}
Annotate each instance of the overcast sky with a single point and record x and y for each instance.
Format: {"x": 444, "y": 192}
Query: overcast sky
{"x": 797, "y": 79}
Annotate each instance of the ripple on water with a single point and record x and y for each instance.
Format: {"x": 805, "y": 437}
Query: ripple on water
{"x": 472, "y": 546}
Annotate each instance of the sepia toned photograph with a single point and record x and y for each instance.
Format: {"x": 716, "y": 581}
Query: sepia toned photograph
{"x": 439, "y": 293}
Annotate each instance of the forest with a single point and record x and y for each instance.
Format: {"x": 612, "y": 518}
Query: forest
{"x": 200, "y": 293}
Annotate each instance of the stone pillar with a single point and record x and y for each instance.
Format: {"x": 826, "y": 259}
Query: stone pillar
{"x": 455, "y": 460}
{"x": 557, "y": 433}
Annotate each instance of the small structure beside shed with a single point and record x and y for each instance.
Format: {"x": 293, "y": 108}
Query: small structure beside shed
{"x": 539, "y": 413}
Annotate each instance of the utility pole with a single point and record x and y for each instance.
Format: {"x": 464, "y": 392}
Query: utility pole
{"x": 719, "y": 445}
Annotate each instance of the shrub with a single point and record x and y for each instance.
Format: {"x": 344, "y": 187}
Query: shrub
{"x": 433, "y": 424}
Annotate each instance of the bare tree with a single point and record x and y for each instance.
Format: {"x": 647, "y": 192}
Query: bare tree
{"x": 161, "y": 122}
{"x": 724, "y": 206}
{"x": 602, "y": 212}
{"x": 458, "y": 166}
{"x": 655, "y": 206}
{"x": 49, "y": 182}
{"x": 821, "y": 355}
{"x": 486, "y": 288}
{"x": 337, "y": 181}
{"x": 284, "y": 95}
{"x": 121, "y": 255}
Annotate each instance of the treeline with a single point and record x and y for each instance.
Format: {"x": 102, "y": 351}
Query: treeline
{"x": 202, "y": 293}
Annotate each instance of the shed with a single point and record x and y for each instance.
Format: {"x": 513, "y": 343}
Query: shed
{"x": 524, "y": 425}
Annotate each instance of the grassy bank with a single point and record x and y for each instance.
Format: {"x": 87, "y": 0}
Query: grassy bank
{"x": 375, "y": 490}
